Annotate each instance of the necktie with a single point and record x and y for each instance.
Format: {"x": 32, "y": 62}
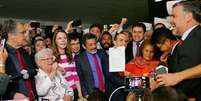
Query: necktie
{"x": 99, "y": 73}
{"x": 27, "y": 82}
{"x": 138, "y": 49}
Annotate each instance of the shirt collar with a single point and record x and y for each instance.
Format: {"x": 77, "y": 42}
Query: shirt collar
{"x": 11, "y": 49}
{"x": 174, "y": 47}
{"x": 134, "y": 42}
{"x": 186, "y": 33}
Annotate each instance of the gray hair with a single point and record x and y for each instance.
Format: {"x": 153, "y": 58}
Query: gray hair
{"x": 193, "y": 7}
{"x": 41, "y": 53}
{"x": 9, "y": 26}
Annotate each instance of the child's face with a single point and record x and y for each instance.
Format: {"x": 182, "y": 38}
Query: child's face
{"x": 165, "y": 46}
{"x": 148, "y": 52}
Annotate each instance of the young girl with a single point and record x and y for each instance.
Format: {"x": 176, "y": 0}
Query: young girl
{"x": 63, "y": 53}
{"x": 142, "y": 65}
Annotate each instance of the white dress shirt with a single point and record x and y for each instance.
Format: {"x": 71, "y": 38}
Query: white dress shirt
{"x": 54, "y": 89}
{"x": 135, "y": 48}
{"x": 186, "y": 33}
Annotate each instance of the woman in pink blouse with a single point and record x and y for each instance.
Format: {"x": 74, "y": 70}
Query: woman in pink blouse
{"x": 64, "y": 55}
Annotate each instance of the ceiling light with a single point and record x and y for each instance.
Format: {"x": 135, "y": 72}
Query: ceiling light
{"x": 158, "y": 0}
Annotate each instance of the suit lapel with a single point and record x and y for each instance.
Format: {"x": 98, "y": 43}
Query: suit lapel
{"x": 87, "y": 67}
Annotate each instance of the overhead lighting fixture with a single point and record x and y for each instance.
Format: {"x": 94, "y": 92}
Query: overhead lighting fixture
{"x": 158, "y": 0}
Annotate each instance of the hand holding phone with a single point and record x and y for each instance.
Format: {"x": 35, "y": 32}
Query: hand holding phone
{"x": 2, "y": 43}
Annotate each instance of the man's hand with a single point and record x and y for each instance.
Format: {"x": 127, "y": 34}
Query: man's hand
{"x": 114, "y": 28}
{"x": 164, "y": 57}
{"x": 55, "y": 27}
{"x": 123, "y": 21}
{"x": 19, "y": 96}
{"x": 169, "y": 79}
{"x": 3, "y": 55}
{"x": 69, "y": 27}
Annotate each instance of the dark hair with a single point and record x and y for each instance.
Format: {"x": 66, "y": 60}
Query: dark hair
{"x": 9, "y": 26}
{"x": 55, "y": 48}
{"x": 87, "y": 37}
{"x": 106, "y": 33}
{"x": 74, "y": 36}
{"x": 161, "y": 34}
{"x": 34, "y": 38}
{"x": 193, "y": 7}
{"x": 96, "y": 25}
{"x": 34, "y": 44}
{"x": 166, "y": 94}
{"x": 140, "y": 25}
{"x": 158, "y": 24}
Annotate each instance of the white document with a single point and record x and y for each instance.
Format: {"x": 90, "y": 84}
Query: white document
{"x": 169, "y": 5}
{"x": 163, "y": 21}
{"x": 117, "y": 59}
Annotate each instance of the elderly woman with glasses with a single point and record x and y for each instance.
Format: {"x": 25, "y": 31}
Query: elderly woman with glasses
{"x": 50, "y": 84}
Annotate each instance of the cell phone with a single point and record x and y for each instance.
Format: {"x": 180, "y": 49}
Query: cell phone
{"x": 161, "y": 70}
{"x": 2, "y": 44}
{"x": 76, "y": 23}
{"x": 137, "y": 83}
{"x": 35, "y": 24}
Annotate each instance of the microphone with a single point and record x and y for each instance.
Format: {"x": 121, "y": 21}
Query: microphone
{"x": 23, "y": 75}
{"x": 16, "y": 77}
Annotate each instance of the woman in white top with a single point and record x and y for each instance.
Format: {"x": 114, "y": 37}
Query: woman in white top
{"x": 50, "y": 84}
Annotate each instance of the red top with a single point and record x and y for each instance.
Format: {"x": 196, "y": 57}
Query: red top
{"x": 140, "y": 67}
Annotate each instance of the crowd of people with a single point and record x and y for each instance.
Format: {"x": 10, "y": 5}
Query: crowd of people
{"x": 70, "y": 65}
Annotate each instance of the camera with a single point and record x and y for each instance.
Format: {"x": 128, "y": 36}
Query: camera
{"x": 35, "y": 24}
{"x": 137, "y": 85}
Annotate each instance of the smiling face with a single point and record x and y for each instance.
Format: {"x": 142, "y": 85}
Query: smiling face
{"x": 61, "y": 40}
{"x": 96, "y": 31}
{"x": 121, "y": 40}
{"x": 148, "y": 52}
{"x": 39, "y": 44}
{"x": 106, "y": 41}
{"x": 75, "y": 45}
{"x": 46, "y": 60}
{"x": 91, "y": 46}
{"x": 138, "y": 33}
{"x": 179, "y": 19}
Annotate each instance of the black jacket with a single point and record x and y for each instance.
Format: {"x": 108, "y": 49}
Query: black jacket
{"x": 185, "y": 56}
{"x": 11, "y": 66}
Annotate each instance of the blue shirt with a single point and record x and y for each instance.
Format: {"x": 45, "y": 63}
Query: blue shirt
{"x": 93, "y": 68}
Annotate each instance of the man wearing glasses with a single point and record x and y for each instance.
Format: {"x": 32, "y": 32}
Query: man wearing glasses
{"x": 19, "y": 65}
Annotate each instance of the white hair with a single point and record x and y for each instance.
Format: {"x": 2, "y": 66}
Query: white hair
{"x": 41, "y": 53}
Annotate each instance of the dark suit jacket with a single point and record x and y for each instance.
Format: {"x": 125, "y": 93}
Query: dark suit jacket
{"x": 185, "y": 56}
{"x": 11, "y": 70}
{"x": 85, "y": 73}
{"x": 129, "y": 51}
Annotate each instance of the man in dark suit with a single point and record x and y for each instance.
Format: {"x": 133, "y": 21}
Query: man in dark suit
{"x": 92, "y": 66}
{"x": 186, "y": 17}
{"x": 133, "y": 47}
{"x": 18, "y": 65}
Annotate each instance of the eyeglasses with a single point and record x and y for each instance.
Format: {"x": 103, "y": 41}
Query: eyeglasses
{"x": 21, "y": 32}
{"x": 48, "y": 59}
